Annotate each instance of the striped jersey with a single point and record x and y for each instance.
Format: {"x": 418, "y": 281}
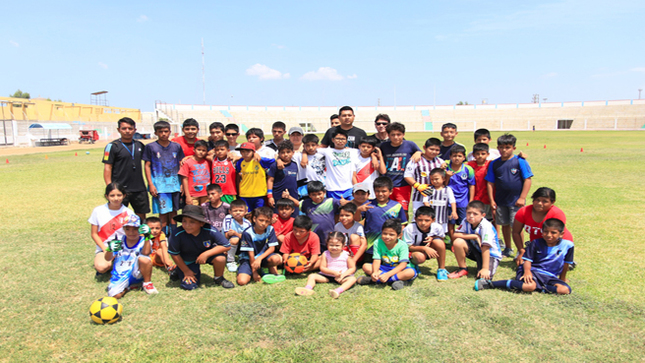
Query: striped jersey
{"x": 440, "y": 200}
{"x": 420, "y": 172}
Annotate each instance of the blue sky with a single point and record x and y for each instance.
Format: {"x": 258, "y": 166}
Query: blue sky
{"x": 328, "y": 53}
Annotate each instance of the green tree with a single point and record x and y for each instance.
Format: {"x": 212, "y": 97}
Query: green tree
{"x": 20, "y": 94}
{"x": 461, "y": 103}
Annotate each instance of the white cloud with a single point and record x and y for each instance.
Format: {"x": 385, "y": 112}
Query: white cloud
{"x": 323, "y": 73}
{"x": 142, "y": 19}
{"x": 353, "y": 76}
{"x": 549, "y": 75}
{"x": 638, "y": 69}
{"x": 103, "y": 65}
{"x": 279, "y": 46}
{"x": 15, "y": 44}
{"x": 264, "y": 72}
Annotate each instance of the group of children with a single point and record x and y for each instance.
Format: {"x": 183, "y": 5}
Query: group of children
{"x": 246, "y": 207}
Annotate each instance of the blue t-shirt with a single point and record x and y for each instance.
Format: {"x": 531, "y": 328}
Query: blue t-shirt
{"x": 396, "y": 159}
{"x": 256, "y": 243}
{"x": 508, "y": 177}
{"x": 164, "y": 165}
{"x": 460, "y": 182}
{"x": 548, "y": 260}
{"x": 375, "y": 217}
{"x": 189, "y": 247}
{"x": 322, "y": 215}
{"x": 285, "y": 179}
{"x": 444, "y": 151}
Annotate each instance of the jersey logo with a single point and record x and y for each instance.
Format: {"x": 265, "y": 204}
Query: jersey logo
{"x": 464, "y": 176}
{"x": 513, "y": 171}
{"x": 424, "y": 174}
{"x": 159, "y": 155}
{"x": 106, "y": 154}
{"x": 174, "y": 155}
{"x": 207, "y": 244}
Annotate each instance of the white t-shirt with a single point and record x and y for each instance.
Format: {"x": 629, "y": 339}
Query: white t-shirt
{"x": 267, "y": 152}
{"x": 414, "y": 237}
{"x": 366, "y": 173}
{"x": 103, "y": 215}
{"x": 487, "y": 233}
{"x": 492, "y": 155}
{"x": 315, "y": 169}
{"x": 340, "y": 166}
{"x": 356, "y": 229}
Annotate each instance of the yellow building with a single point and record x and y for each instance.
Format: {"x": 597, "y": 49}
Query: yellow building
{"x": 20, "y": 109}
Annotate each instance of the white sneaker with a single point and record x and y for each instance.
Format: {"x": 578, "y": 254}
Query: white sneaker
{"x": 231, "y": 266}
{"x": 149, "y": 288}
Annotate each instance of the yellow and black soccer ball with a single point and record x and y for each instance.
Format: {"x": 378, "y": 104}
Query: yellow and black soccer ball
{"x": 295, "y": 263}
{"x": 106, "y": 310}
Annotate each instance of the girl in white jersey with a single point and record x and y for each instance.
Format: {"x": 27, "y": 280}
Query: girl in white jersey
{"x": 336, "y": 265}
{"x": 107, "y": 224}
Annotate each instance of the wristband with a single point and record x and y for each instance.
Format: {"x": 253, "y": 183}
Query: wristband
{"x": 416, "y": 185}
{"x": 270, "y": 191}
{"x": 269, "y": 195}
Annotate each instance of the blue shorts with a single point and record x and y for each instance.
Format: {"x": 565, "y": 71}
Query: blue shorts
{"x": 461, "y": 213}
{"x": 386, "y": 269}
{"x": 542, "y": 280}
{"x": 337, "y": 194}
{"x": 245, "y": 266}
{"x": 165, "y": 203}
{"x": 195, "y": 268}
{"x": 253, "y": 203}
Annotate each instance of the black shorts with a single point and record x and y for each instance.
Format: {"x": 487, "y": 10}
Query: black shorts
{"x": 139, "y": 200}
{"x": 367, "y": 258}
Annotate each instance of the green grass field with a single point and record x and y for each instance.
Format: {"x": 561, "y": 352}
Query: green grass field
{"x": 47, "y": 281}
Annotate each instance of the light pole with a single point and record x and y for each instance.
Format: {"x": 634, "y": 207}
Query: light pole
{"x": 639, "y": 93}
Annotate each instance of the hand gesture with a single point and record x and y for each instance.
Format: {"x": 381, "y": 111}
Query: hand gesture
{"x": 285, "y": 194}
{"x": 364, "y": 208}
{"x": 114, "y": 246}
{"x": 279, "y": 163}
{"x": 144, "y": 230}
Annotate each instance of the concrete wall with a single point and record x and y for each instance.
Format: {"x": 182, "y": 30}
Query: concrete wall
{"x": 21, "y": 109}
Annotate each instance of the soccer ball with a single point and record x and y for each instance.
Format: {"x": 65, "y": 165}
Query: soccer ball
{"x": 106, "y": 310}
{"x": 295, "y": 263}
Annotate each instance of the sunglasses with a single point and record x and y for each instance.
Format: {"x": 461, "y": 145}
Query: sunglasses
{"x": 231, "y": 134}
{"x": 381, "y": 124}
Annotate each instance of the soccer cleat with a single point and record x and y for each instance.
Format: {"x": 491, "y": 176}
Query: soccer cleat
{"x": 272, "y": 279}
{"x": 224, "y": 283}
{"x": 457, "y": 274}
{"x": 508, "y": 252}
{"x": 442, "y": 274}
{"x": 149, "y": 288}
{"x": 303, "y": 291}
{"x": 398, "y": 285}
{"x": 482, "y": 284}
{"x": 364, "y": 280}
{"x": 334, "y": 294}
{"x": 232, "y": 266}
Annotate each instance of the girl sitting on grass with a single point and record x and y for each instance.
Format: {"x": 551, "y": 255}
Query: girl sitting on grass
{"x": 336, "y": 265}
{"x": 107, "y": 224}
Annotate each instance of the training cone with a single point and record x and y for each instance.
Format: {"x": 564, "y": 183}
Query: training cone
{"x": 7, "y": 161}
{"x": 46, "y": 157}
{"x": 545, "y": 146}
{"x": 527, "y": 144}
{"x": 581, "y": 150}
{"x": 75, "y": 154}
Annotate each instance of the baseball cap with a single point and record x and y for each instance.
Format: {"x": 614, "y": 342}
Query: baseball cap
{"x": 246, "y": 146}
{"x": 296, "y": 129}
{"x": 132, "y": 220}
{"x": 361, "y": 186}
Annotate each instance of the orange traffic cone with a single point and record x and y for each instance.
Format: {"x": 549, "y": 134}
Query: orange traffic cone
{"x": 75, "y": 154}
{"x": 545, "y": 146}
{"x": 7, "y": 161}
{"x": 527, "y": 144}
{"x": 46, "y": 157}
{"x": 581, "y": 150}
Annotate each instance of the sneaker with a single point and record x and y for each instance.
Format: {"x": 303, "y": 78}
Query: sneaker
{"x": 442, "y": 274}
{"x": 457, "y": 274}
{"x": 334, "y": 294}
{"x": 232, "y": 266}
{"x": 173, "y": 274}
{"x": 303, "y": 291}
{"x": 482, "y": 284}
{"x": 150, "y": 289}
{"x": 272, "y": 279}
{"x": 398, "y": 285}
{"x": 221, "y": 281}
{"x": 508, "y": 252}
{"x": 364, "y": 280}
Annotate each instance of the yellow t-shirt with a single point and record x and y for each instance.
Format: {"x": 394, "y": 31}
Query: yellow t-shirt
{"x": 253, "y": 180}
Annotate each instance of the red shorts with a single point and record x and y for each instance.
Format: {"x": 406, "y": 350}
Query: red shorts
{"x": 352, "y": 249}
{"x": 402, "y": 195}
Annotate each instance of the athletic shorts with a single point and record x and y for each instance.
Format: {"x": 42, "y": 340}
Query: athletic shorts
{"x": 228, "y": 198}
{"x": 542, "y": 280}
{"x": 504, "y": 216}
{"x": 475, "y": 254}
{"x": 386, "y": 269}
{"x": 461, "y": 214}
{"x": 489, "y": 213}
{"x": 402, "y": 195}
{"x": 165, "y": 203}
{"x": 352, "y": 249}
{"x": 156, "y": 259}
{"x": 118, "y": 283}
{"x": 253, "y": 203}
{"x": 367, "y": 258}
{"x": 338, "y": 194}
{"x": 139, "y": 200}
{"x": 245, "y": 266}
{"x": 197, "y": 201}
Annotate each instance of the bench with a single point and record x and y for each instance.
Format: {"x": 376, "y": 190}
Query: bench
{"x": 52, "y": 142}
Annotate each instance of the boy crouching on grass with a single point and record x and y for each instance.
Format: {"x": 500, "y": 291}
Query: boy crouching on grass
{"x": 425, "y": 240}
{"x": 195, "y": 243}
{"x": 159, "y": 247}
{"x": 546, "y": 262}
{"x": 391, "y": 259}
{"x": 257, "y": 250}
{"x": 131, "y": 265}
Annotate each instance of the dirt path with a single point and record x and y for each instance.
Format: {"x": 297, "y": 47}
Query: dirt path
{"x": 8, "y": 151}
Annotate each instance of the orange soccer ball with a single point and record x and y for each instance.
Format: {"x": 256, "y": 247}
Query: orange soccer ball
{"x": 295, "y": 263}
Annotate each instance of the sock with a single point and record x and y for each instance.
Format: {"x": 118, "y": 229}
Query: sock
{"x": 395, "y": 278}
{"x": 216, "y": 278}
{"x": 147, "y": 283}
{"x": 339, "y": 290}
{"x": 551, "y": 289}
{"x": 309, "y": 287}
{"x": 463, "y": 268}
{"x": 508, "y": 284}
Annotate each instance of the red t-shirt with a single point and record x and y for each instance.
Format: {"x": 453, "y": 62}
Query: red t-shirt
{"x": 223, "y": 173}
{"x": 309, "y": 248}
{"x": 198, "y": 174}
{"x": 282, "y": 226}
{"x": 481, "y": 192}
{"x": 188, "y": 149}
{"x": 533, "y": 228}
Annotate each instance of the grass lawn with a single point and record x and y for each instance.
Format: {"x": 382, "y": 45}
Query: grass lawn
{"x": 47, "y": 281}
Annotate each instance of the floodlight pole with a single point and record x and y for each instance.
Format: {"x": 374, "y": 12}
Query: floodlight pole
{"x": 639, "y": 93}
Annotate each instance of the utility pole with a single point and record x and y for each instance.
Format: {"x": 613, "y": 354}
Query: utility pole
{"x": 536, "y": 98}
{"x": 639, "y": 93}
{"x": 203, "y": 73}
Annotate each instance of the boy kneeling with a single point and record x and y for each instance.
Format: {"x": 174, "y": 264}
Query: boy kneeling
{"x": 195, "y": 243}
{"x": 546, "y": 262}
{"x": 131, "y": 265}
{"x": 391, "y": 259}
